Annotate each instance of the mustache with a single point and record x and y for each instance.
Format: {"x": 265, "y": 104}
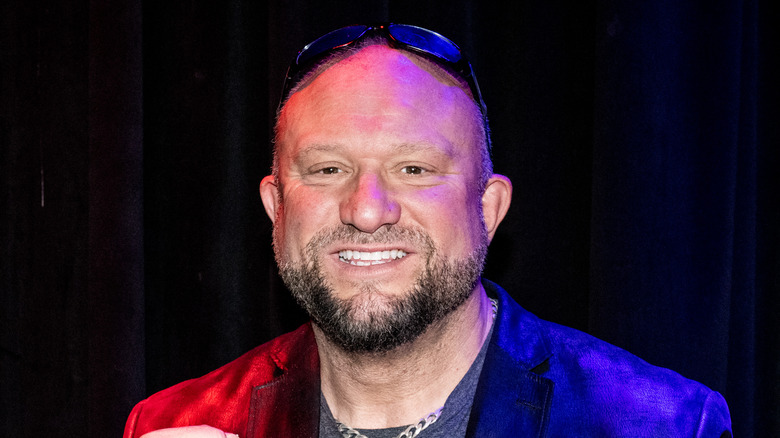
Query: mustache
{"x": 387, "y": 234}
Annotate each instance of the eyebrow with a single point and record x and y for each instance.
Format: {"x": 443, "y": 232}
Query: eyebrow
{"x": 406, "y": 148}
{"x": 312, "y": 149}
{"x": 319, "y": 148}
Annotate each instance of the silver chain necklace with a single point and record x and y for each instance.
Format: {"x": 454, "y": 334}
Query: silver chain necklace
{"x": 410, "y": 432}
{"x": 413, "y": 430}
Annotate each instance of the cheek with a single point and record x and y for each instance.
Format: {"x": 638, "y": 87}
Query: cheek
{"x": 305, "y": 212}
{"x": 453, "y": 217}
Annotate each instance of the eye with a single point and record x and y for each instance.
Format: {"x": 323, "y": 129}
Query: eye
{"x": 329, "y": 170}
{"x": 413, "y": 170}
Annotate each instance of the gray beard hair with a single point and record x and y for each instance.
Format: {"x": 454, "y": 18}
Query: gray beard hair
{"x": 442, "y": 286}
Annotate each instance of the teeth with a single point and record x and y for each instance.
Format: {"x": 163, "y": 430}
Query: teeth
{"x": 360, "y": 258}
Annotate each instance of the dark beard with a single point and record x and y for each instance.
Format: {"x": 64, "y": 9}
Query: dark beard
{"x": 442, "y": 287}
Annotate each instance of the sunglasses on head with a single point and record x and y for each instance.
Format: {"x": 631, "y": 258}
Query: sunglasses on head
{"x": 424, "y": 42}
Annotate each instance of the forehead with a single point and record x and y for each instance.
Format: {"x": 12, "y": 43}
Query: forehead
{"x": 382, "y": 84}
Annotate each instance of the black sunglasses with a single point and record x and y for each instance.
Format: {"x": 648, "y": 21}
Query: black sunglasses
{"x": 424, "y": 42}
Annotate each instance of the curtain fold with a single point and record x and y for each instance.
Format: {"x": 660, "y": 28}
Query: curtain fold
{"x": 115, "y": 297}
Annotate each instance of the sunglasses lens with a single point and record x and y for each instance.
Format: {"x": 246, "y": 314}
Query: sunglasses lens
{"x": 426, "y": 40}
{"x": 330, "y": 41}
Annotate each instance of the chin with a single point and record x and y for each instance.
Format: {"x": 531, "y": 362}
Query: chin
{"x": 371, "y": 304}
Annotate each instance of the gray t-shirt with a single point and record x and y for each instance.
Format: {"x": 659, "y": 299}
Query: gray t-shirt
{"x": 451, "y": 423}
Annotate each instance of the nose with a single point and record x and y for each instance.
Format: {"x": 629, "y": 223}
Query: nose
{"x": 369, "y": 205}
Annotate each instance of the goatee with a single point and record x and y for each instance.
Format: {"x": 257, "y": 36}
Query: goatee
{"x": 355, "y": 324}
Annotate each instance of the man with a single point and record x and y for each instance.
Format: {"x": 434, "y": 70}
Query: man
{"x": 384, "y": 202}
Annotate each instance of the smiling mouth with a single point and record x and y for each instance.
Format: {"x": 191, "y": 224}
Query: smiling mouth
{"x": 361, "y": 258}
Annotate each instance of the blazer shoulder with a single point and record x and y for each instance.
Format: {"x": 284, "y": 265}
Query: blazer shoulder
{"x": 220, "y": 398}
{"x": 625, "y": 389}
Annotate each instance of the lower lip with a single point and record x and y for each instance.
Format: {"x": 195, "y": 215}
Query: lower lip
{"x": 367, "y": 262}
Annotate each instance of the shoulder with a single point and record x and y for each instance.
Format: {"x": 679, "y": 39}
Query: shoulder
{"x": 601, "y": 387}
{"x": 221, "y": 398}
{"x": 626, "y": 391}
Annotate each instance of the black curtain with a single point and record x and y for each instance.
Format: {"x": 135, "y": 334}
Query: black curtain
{"x": 640, "y": 137}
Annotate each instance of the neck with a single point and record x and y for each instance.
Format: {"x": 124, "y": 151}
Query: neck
{"x": 396, "y": 388}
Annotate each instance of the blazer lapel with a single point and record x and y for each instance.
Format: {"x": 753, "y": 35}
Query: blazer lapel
{"x": 512, "y": 398}
{"x": 289, "y": 405}
{"x": 510, "y": 401}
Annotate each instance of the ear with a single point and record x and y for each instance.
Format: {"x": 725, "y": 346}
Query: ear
{"x": 495, "y": 202}
{"x": 269, "y": 193}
